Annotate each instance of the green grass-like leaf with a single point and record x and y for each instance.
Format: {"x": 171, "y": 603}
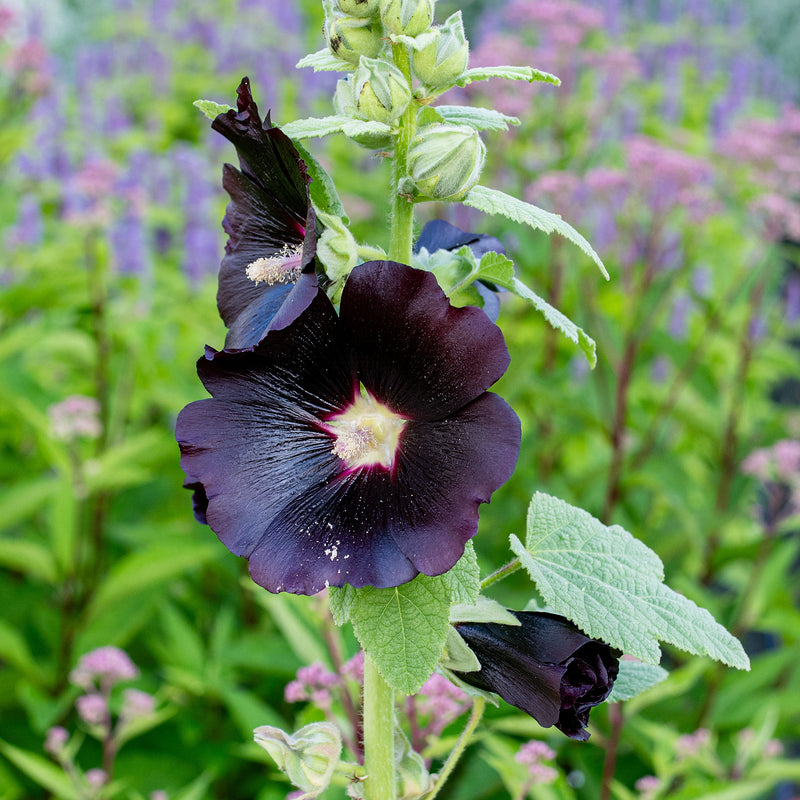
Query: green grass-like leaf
{"x": 610, "y": 585}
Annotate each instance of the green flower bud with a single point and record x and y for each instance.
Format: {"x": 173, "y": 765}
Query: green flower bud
{"x": 442, "y": 62}
{"x": 344, "y": 105}
{"x": 308, "y": 757}
{"x": 350, "y": 38}
{"x": 359, "y": 8}
{"x": 407, "y": 17}
{"x": 445, "y": 161}
{"x": 380, "y": 90}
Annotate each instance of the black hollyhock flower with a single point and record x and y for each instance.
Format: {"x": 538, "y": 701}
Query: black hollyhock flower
{"x": 440, "y": 235}
{"x": 270, "y": 222}
{"x": 353, "y": 448}
{"x": 546, "y": 667}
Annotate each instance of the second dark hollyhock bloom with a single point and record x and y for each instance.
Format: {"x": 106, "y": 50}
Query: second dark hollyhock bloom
{"x": 270, "y": 223}
{"x": 353, "y": 448}
{"x": 545, "y": 666}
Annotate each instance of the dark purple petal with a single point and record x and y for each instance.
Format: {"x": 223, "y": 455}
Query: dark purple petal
{"x": 277, "y": 308}
{"x": 416, "y": 353}
{"x": 270, "y": 208}
{"x": 546, "y": 667}
{"x": 445, "y": 470}
{"x": 258, "y": 443}
{"x": 336, "y": 532}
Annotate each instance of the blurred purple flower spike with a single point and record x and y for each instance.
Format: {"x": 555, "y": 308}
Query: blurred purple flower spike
{"x": 354, "y": 448}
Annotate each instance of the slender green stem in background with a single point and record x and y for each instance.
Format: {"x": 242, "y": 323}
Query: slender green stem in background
{"x": 378, "y": 734}
{"x": 466, "y": 735}
{"x": 501, "y": 573}
{"x": 617, "y": 718}
{"x": 402, "y": 209}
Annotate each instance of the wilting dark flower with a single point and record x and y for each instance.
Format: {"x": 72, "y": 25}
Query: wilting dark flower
{"x": 353, "y": 448}
{"x": 546, "y": 667}
{"x": 270, "y": 222}
{"x": 440, "y": 235}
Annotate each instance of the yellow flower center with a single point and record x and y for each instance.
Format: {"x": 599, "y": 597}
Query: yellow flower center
{"x": 367, "y": 433}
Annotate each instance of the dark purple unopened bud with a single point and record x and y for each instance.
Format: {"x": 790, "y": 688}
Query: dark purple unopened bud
{"x": 545, "y": 666}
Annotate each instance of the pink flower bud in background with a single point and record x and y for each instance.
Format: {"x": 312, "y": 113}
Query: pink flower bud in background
{"x": 92, "y": 709}
{"x": 354, "y": 668}
{"x": 773, "y": 749}
{"x": 688, "y": 744}
{"x": 109, "y": 665}
{"x": 159, "y": 794}
{"x": 76, "y": 416}
{"x": 136, "y": 703}
{"x": 56, "y": 740}
{"x": 96, "y": 778}
{"x": 295, "y": 692}
{"x": 647, "y": 786}
{"x": 533, "y": 752}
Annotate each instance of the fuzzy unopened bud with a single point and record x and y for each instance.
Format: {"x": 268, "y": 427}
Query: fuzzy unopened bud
{"x": 407, "y": 17}
{"x": 445, "y": 161}
{"x": 380, "y": 91}
{"x": 308, "y": 757}
{"x": 359, "y": 8}
{"x": 344, "y": 105}
{"x": 349, "y": 38}
{"x": 443, "y": 61}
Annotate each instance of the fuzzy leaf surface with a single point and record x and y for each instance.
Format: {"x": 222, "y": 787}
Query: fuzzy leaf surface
{"x": 403, "y": 629}
{"x": 558, "y": 320}
{"x": 322, "y": 188}
{"x": 481, "y": 119}
{"x": 315, "y": 127}
{"x": 324, "y": 61}
{"x": 634, "y": 678}
{"x": 528, "y": 74}
{"x": 611, "y": 586}
{"x": 211, "y": 109}
{"x": 463, "y": 581}
{"x": 493, "y": 201}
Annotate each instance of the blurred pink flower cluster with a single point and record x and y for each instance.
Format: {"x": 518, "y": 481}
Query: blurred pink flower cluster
{"x": 428, "y": 713}
{"x": 97, "y": 673}
{"x": 770, "y": 151}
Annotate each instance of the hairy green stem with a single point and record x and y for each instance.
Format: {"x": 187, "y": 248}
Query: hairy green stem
{"x": 466, "y": 735}
{"x": 378, "y": 734}
{"x": 402, "y": 232}
{"x": 501, "y": 573}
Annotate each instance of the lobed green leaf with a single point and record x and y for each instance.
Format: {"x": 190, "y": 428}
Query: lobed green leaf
{"x": 610, "y": 585}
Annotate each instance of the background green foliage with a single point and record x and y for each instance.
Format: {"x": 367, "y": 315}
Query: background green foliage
{"x": 109, "y": 217}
